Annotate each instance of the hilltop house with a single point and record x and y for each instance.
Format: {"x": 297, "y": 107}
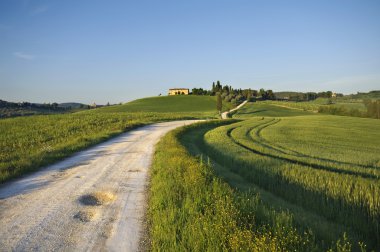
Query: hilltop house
{"x": 178, "y": 91}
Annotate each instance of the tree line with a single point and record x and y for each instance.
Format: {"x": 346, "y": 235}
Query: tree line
{"x": 28, "y": 105}
{"x": 230, "y": 94}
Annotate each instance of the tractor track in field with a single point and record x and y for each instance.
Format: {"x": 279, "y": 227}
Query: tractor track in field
{"x": 92, "y": 201}
{"x": 294, "y": 161}
{"x": 268, "y": 144}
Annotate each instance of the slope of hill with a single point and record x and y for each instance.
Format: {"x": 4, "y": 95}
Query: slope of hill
{"x": 265, "y": 109}
{"x": 375, "y": 94}
{"x": 188, "y": 103}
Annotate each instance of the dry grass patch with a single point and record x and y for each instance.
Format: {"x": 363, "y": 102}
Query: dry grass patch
{"x": 97, "y": 198}
{"x": 86, "y": 215}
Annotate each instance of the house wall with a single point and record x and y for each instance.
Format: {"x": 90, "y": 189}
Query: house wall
{"x": 175, "y": 91}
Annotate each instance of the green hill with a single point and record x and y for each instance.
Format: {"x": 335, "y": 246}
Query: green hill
{"x": 181, "y": 103}
{"x": 265, "y": 109}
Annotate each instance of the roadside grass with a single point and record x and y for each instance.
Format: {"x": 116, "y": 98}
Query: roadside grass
{"x": 29, "y": 143}
{"x": 318, "y": 194}
{"x": 191, "y": 209}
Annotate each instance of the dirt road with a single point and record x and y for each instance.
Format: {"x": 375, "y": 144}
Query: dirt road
{"x": 93, "y": 201}
{"x": 225, "y": 114}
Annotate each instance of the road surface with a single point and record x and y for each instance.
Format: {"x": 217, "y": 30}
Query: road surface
{"x": 225, "y": 114}
{"x": 92, "y": 201}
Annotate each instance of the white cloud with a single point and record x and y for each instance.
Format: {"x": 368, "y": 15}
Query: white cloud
{"x": 24, "y": 56}
{"x": 39, "y": 10}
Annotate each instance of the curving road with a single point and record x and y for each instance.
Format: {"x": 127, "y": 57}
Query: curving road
{"x": 49, "y": 211}
{"x": 225, "y": 114}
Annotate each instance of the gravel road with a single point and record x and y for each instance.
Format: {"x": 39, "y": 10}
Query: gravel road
{"x": 92, "y": 201}
{"x": 225, "y": 114}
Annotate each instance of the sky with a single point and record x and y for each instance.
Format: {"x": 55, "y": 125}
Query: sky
{"x": 116, "y": 51}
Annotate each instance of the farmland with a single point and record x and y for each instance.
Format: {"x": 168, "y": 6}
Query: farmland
{"x": 353, "y": 107}
{"x": 265, "y": 109}
{"x": 316, "y": 175}
{"x": 176, "y": 104}
{"x": 28, "y": 143}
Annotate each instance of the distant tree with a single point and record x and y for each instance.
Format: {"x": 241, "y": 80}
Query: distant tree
{"x": 373, "y": 108}
{"x": 219, "y": 103}
{"x": 270, "y": 95}
{"x": 262, "y": 92}
{"x": 226, "y": 89}
{"x": 108, "y": 104}
{"x": 218, "y": 87}
{"x": 254, "y": 93}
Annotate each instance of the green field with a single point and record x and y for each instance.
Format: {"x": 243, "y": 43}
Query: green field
{"x": 265, "y": 109}
{"x": 28, "y": 143}
{"x": 176, "y": 103}
{"x": 321, "y": 170}
{"x": 353, "y": 107}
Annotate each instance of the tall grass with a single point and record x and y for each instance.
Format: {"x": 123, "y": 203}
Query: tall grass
{"x": 28, "y": 143}
{"x": 192, "y": 210}
{"x": 346, "y": 198}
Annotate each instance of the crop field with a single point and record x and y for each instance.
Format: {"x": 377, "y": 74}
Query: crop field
{"x": 322, "y": 102}
{"x": 28, "y": 143}
{"x": 265, "y": 109}
{"x": 322, "y": 171}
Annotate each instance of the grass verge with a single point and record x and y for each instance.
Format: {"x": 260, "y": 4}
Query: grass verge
{"x": 191, "y": 209}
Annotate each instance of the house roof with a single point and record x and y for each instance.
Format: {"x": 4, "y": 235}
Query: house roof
{"x": 178, "y": 88}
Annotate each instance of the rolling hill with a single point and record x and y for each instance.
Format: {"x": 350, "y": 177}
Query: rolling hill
{"x": 188, "y": 103}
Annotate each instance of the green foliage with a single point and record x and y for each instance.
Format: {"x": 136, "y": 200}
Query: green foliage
{"x": 375, "y": 94}
{"x": 219, "y": 103}
{"x": 373, "y": 108}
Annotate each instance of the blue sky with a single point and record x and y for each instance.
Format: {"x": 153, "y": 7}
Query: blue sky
{"x": 99, "y": 51}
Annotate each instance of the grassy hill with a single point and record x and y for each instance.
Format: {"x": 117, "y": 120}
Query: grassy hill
{"x": 265, "y": 109}
{"x": 188, "y": 103}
